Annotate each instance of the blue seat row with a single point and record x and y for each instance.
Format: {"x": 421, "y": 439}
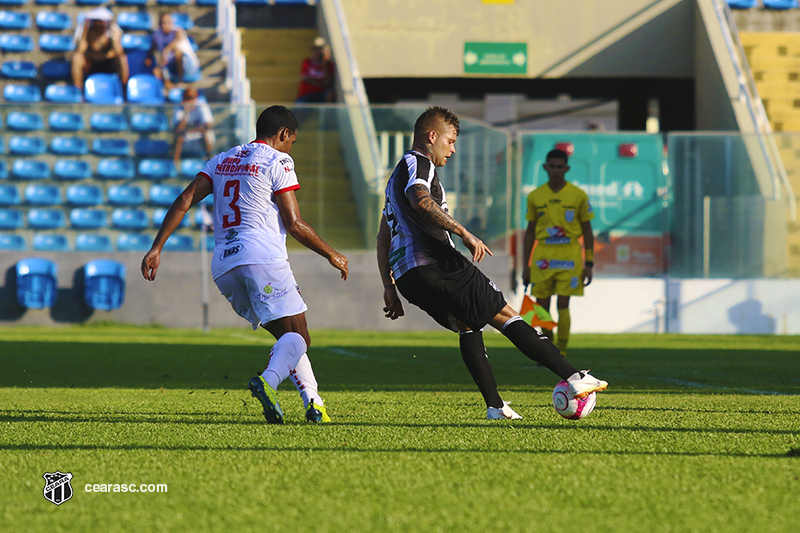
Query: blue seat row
{"x": 88, "y": 195}
{"x": 89, "y": 219}
{"x": 120, "y": 2}
{"x": 768, "y": 4}
{"x": 45, "y": 20}
{"x": 76, "y": 169}
{"x": 19, "y": 145}
{"x": 143, "y": 89}
{"x": 104, "y": 122}
{"x": 97, "y": 242}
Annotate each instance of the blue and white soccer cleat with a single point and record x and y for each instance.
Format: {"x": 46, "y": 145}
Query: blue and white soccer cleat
{"x": 582, "y": 384}
{"x": 266, "y": 395}
{"x": 317, "y": 413}
{"x": 502, "y": 413}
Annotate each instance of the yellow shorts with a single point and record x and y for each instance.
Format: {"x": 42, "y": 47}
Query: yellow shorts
{"x": 556, "y": 269}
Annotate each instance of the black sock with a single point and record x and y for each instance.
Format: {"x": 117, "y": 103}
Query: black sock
{"x": 474, "y": 354}
{"x": 538, "y": 347}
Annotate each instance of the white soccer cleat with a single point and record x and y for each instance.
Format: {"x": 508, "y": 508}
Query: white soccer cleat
{"x": 582, "y": 384}
{"x": 501, "y": 413}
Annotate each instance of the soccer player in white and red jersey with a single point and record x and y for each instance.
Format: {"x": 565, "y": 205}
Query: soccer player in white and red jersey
{"x": 254, "y": 207}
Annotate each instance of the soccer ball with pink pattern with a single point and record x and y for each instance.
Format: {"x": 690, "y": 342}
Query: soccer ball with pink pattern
{"x": 569, "y": 407}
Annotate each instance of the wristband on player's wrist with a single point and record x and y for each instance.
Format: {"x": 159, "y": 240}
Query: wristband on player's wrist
{"x": 589, "y": 263}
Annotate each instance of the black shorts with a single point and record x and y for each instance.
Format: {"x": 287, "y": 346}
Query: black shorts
{"x": 451, "y": 291}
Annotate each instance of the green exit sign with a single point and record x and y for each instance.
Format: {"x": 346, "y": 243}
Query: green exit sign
{"x": 495, "y": 58}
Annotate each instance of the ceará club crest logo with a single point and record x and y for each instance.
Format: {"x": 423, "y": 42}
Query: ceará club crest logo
{"x": 57, "y": 488}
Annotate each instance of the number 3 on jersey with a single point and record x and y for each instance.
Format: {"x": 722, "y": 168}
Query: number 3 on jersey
{"x": 231, "y": 191}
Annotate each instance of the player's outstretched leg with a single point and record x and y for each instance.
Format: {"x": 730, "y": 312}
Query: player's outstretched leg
{"x": 283, "y": 358}
{"x": 306, "y": 383}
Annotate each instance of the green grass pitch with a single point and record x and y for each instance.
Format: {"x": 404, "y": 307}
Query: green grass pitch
{"x": 696, "y": 433}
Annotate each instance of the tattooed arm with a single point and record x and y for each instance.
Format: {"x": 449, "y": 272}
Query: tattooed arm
{"x": 429, "y": 210}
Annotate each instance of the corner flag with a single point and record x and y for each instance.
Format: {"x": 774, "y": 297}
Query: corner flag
{"x": 535, "y": 315}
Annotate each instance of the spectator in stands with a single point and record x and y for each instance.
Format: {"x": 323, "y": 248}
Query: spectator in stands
{"x": 175, "y": 57}
{"x": 194, "y": 126}
{"x": 316, "y": 83}
{"x": 99, "y": 48}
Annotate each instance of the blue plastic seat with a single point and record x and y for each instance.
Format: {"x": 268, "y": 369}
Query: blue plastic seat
{"x": 131, "y": 2}
{"x": 53, "y": 21}
{"x": 22, "y": 94}
{"x": 156, "y": 169}
{"x": 205, "y": 2}
{"x": 81, "y": 218}
{"x": 183, "y": 20}
{"x": 191, "y": 167}
{"x": 55, "y": 43}
{"x": 780, "y": 4}
{"x": 9, "y": 195}
{"x": 104, "y": 284}
{"x": 37, "y": 283}
{"x": 63, "y": 94}
{"x": 84, "y": 195}
{"x": 46, "y": 219}
{"x": 12, "y": 243}
{"x": 136, "y": 21}
{"x": 149, "y": 122}
{"x": 129, "y": 219}
{"x": 13, "y": 2}
{"x": 47, "y": 195}
{"x": 15, "y": 43}
{"x": 116, "y": 169}
{"x": 137, "y": 62}
{"x": 103, "y": 89}
{"x": 50, "y": 2}
{"x": 69, "y": 146}
{"x": 30, "y": 169}
{"x": 131, "y": 42}
{"x": 19, "y": 70}
{"x": 56, "y": 69}
{"x": 11, "y": 219}
{"x": 111, "y": 147}
{"x": 14, "y": 20}
{"x": 63, "y": 121}
{"x": 108, "y": 122}
{"x": 91, "y": 2}
{"x": 126, "y": 195}
{"x": 72, "y": 169}
{"x": 172, "y": 2}
{"x": 27, "y": 146}
{"x": 133, "y": 242}
{"x": 145, "y": 89}
{"x": 22, "y": 121}
{"x": 151, "y": 148}
{"x": 3, "y": 170}
{"x": 50, "y": 242}
{"x": 164, "y": 195}
{"x": 93, "y": 242}
{"x": 179, "y": 243}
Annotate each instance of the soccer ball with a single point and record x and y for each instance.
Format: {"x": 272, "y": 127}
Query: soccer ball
{"x": 569, "y": 407}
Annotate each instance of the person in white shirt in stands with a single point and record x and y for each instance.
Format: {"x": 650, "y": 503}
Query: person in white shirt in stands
{"x": 175, "y": 57}
{"x": 254, "y": 207}
{"x": 194, "y": 126}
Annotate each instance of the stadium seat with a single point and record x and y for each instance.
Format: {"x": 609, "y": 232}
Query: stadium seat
{"x": 13, "y": 2}
{"x": 81, "y": 218}
{"x": 56, "y": 69}
{"x": 93, "y": 242}
{"x": 172, "y": 2}
{"x": 104, "y": 284}
{"x": 9, "y": 195}
{"x": 72, "y": 169}
{"x": 129, "y": 219}
{"x": 111, "y": 147}
{"x": 22, "y": 94}
{"x": 137, "y": 62}
{"x": 131, "y": 42}
{"x": 135, "y": 21}
{"x": 151, "y": 148}
{"x": 63, "y": 94}
{"x": 46, "y": 219}
{"x": 30, "y": 169}
{"x": 12, "y": 243}
{"x": 63, "y": 121}
{"x": 3, "y": 170}
{"x": 205, "y": 2}
{"x": 84, "y": 195}
{"x": 781, "y": 4}
{"x": 26, "y": 146}
{"x": 133, "y": 242}
{"x": 161, "y": 212}
{"x": 179, "y": 243}
{"x": 145, "y": 89}
{"x": 53, "y": 21}
{"x": 50, "y": 2}
{"x": 108, "y": 122}
{"x": 37, "y": 283}
{"x": 164, "y": 195}
{"x": 103, "y": 89}
{"x": 190, "y": 167}
{"x": 22, "y": 121}
{"x": 11, "y": 219}
{"x": 149, "y": 122}
{"x": 130, "y": 2}
{"x": 14, "y": 20}
{"x": 116, "y": 169}
{"x": 127, "y": 195}
{"x": 50, "y": 242}
{"x": 69, "y": 146}
{"x": 156, "y": 169}
{"x": 15, "y": 43}
{"x": 183, "y": 20}
{"x": 47, "y": 195}
{"x": 19, "y": 70}
{"x": 91, "y": 2}
{"x": 175, "y": 95}
{"x": 55, "y": 43}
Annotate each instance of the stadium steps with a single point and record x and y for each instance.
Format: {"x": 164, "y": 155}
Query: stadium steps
{"x": 274, "y": 57}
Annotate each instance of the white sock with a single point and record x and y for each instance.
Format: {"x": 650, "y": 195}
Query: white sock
{"x": 285, "y": 355}
{"x": 303, "y": 378}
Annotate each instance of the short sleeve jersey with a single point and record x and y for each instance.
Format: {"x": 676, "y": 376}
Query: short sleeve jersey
{"x": 414, "y": 242}
{"x": 248, "y": 228}
{"x": 558, "y": 215}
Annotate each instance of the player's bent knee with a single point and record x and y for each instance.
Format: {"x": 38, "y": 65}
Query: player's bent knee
{"x": 293, "y": 342}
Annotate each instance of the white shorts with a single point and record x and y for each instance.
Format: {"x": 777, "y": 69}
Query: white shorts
{"x": 262, "y": 293}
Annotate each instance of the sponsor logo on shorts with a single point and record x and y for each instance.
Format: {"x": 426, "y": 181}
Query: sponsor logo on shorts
{"x": 569, "y": 215}
{"x": 272, "y": 293}
{"x": 557, "y": 240}
{"x": 556, "y": 231}
{"x": 574, "y": 282}
{"x": 492, "y": 285}
{"x": 230, "y": 252}
{"x": 555, "y": 264}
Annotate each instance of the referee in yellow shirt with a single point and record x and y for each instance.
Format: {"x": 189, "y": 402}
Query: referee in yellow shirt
{"x": 558, "y": 214}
